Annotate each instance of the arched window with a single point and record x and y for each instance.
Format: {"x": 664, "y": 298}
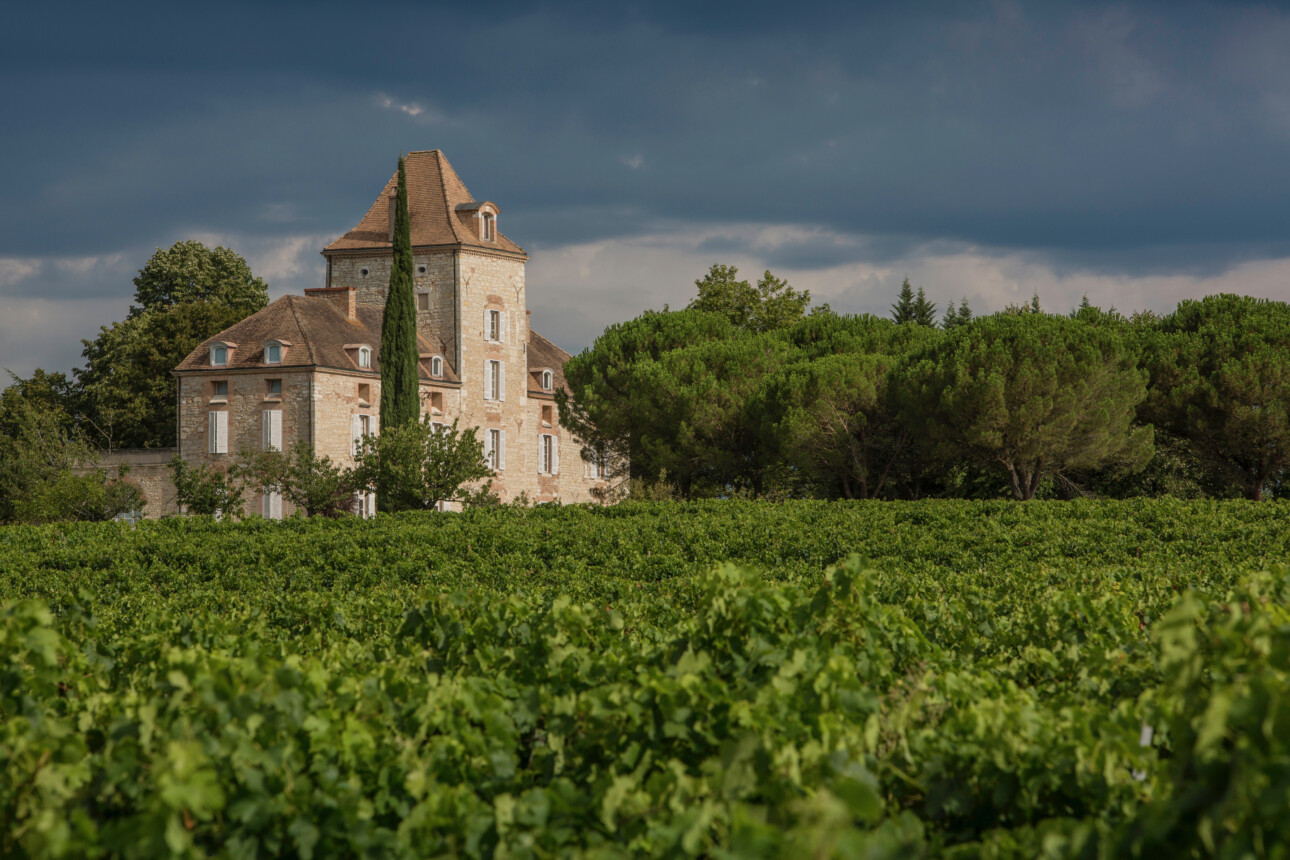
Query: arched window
{"x": 219, "y": 356}
{"x": 548, "y": 380}
{"x": 272, "y": 353}
{"x": 489, "y": 226}
{"x": 364, "y": 356}
{"x": 436, "y": 366}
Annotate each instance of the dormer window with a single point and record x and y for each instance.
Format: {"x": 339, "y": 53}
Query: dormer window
{"x": 548, "y": 380}
{"x": 220, "y": 353}
{"x": 436, "y": 366}
{"x": 488, "y": 229}
{"x": 364, "y": 357}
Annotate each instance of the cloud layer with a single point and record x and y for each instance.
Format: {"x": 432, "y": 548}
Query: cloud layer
{"x": 1133, "y": 151}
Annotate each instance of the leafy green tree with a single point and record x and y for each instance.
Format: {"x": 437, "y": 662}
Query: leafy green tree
{"x": 610, "y": 404}
{"x": 400, "y": 381}
{"x": 1030, "y": 394}
{"x": 48, "y": 472}
{"x": 770, "y": 305}
{"x": 51, "y": 394}
{"x": 671, "y": 390}
{"x": 311, "y": 483}
{"x": 207, "y": 489}
{"x": 183, "y": 295}
{"x": 903, "y": 310}
{"x": 833, "y": 422}
{"x": 1220, "y": 377}
{"x": 127, "y": 392}
{"x": 924, "y": 310}
{"x": 414, "y": 467}
{"x": 189, "y": 272}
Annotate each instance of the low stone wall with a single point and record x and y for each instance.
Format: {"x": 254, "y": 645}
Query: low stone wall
{"x": 150, "y": 472}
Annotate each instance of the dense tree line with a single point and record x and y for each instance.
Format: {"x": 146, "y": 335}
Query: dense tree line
{"x": 749, "y": 391}
{"x": 53, "y": 426}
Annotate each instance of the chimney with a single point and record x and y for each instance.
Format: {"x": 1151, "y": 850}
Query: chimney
{"x": 394, "y": 206}
{"x": 344, "y": 299}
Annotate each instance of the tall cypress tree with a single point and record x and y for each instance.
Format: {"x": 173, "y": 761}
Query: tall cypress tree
{"x": 400, "y": 386}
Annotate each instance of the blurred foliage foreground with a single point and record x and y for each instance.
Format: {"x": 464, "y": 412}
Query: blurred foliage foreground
{"x": 1091, "y": 679}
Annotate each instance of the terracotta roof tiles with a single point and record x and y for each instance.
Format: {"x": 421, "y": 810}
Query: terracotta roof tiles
{"x": 435, "y": 193}
{"x": 318, "y": 333}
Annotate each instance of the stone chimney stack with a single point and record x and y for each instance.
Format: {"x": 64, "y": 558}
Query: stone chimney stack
{"x": 344, "y": 299}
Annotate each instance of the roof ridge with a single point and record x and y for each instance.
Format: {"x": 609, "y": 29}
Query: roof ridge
{"x": 454, "y": 223}
{"x": 313, "y": 360}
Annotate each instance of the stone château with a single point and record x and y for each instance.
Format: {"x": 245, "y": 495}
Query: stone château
{"x": 308, "y": 367}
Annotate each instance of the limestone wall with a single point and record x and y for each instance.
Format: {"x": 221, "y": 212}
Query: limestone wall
{"x": 149, "y": 470}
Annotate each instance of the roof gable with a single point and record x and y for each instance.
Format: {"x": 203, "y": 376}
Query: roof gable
{"x": 318, "y": 334}
{"x": 439, "y": 206}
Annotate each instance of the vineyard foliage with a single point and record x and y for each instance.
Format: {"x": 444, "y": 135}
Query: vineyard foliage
{"x": 721, "y": 679}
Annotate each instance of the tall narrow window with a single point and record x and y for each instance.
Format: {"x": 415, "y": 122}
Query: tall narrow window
{"x": 271, "y": 430}
{"x": 360, "y": 426}
{"x": 493, "y": 325}
{"x": 548, "y": 454}
{"x": 272, "y": 501}
{"x": 494, "y": 380}
{"x": 436, "y": 366}
{"x": 364, "y": 357}
{"x": 217, "y": 433}
{"x": 548, "y": 380}
{"x": 489, "y": 227}
{"x": 495, "y": 450}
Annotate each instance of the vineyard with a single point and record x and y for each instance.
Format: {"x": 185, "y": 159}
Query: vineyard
{"x": 721, "y": 679}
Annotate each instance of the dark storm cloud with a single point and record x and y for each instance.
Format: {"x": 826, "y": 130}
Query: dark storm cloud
{"x": 1118, "y": 138}
{"x": 1083, "y": 129}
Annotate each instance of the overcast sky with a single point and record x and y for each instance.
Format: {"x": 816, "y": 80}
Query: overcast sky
{"x": 1138, "y": 153}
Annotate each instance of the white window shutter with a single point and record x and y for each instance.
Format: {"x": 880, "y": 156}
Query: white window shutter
{"x": 488, "y": 380}
{"x": 501, "y": 449}
{"x": 486, "y": 324}
{"x": 212, "y": 434}
{"x": 488, "y": 446}
{"x": 371, "y": 504}
{"x": 219, "y": 432}
{"x": 541, "y": 454}
{"x": 272, "y": 429}
{"x": 356, "y": 430}
{"x": 275, "y": 506}
{"x": 501, "y": 381}
{"x": 501, "y": 325}
{"x": 555, "y": 454}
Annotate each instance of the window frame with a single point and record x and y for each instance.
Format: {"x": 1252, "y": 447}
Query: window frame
{"x": 364, "y": 358}
{"x": 220, "y": 355}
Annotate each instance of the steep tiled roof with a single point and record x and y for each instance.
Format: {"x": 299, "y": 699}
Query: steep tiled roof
{"x": 316, "y": 331}
{"x": 435, "y": 192}
{"x": 544, "y": 355}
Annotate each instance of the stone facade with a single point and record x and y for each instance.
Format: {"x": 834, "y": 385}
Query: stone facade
{"x": 149, "y": 470}
{"x": 460, "y": 276}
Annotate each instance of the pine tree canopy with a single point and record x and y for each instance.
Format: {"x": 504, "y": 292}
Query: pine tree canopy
{"x": 903, "y": 310}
